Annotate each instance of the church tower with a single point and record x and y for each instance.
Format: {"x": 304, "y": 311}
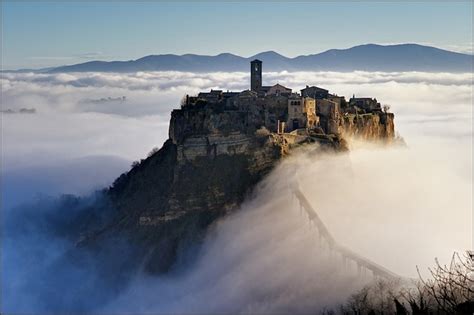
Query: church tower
{"x": 255, "y": 75}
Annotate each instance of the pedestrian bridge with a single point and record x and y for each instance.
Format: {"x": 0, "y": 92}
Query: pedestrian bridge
{"x": 365, "y": 267}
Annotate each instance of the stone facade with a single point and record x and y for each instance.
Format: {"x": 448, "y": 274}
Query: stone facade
{"x": 301, "y": 113}
{"x": 278, "y": 89}
{"x": 314, "y": 92}
{"x": 339, "y": 100}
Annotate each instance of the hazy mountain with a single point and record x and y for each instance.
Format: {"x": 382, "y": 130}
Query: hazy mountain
{"x": 370, "y": 57}
{"x": 406, "y": 57}
{"x": 88, "y": 173}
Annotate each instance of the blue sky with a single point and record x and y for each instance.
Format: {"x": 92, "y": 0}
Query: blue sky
{"x": 41, "y": 34}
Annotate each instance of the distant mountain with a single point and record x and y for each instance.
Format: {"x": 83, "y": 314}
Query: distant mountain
{"x": 370, "y": 57}
{"x": 23, "y": 185}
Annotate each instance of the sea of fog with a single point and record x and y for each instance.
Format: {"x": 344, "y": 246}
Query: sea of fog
{"x": 400, "y": 207}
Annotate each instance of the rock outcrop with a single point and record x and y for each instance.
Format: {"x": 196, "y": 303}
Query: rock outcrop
{"x": 220, "y": 146}
{"x": 166, "y": 202}
{"x": 373, "y": 127}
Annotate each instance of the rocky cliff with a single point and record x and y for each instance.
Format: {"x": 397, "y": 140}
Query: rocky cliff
{"x": 374, "y": 127}
{"x": 210, "y": 163}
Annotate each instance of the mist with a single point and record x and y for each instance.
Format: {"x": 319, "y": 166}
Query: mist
{"x": 268, "y": 258}
{"x": 397, "y": 206}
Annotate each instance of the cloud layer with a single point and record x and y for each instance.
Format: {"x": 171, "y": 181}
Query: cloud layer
{"x": 398, "y": 207}
{"x": 437, "y": 104}
{"x": 157, "y": 92}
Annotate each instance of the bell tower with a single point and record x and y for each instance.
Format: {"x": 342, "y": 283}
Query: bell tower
{"x": 255, "y": 75}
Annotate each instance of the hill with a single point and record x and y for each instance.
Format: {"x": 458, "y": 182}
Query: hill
{"x": 370, "y": 57}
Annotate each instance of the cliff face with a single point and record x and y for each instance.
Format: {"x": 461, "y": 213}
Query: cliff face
{"x": 210, "y": 163}
{"x": 206, "y": 168}
{"x": 372, "y": 127}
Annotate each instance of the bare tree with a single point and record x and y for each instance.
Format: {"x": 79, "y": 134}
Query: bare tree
{"x": 379, "y": 297}
{"x": 418, "y": 299}
{"x": 451, "y": 287}
{"x": 448, "y": 290}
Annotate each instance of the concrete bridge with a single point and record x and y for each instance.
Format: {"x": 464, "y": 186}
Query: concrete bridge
{"x": 363, "y": 264}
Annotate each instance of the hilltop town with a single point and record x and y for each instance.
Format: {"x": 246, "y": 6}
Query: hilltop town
{"x": 313, "y": 114}
{"x": 220, "y": 146}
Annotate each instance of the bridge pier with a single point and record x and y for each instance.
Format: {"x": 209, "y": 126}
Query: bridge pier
{"x": 344, "y": 262}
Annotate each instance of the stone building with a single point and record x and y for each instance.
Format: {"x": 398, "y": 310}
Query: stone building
{"x": 315, "y": 92}
{"x": 278, "y": 89}
{"x": 329, "y": 113}
{"x": 279, "y": 110}
{"x": 276, "y": 109}
{"x": 301, "y": 112}
{"x": 213, "y": 96}
{"x": 245, "y": 99}
{"x": 366, "y": 103}
{"x": 339, "y": 100}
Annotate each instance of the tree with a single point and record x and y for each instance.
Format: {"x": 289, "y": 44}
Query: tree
{"x": 448, "y": 290}
{"x": 386, "y": 108}
{"x": 153, "y": 151}
{"x": 452, "y": 286}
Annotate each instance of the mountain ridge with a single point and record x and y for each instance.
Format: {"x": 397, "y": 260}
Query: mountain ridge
{"x": 366, "y": 57}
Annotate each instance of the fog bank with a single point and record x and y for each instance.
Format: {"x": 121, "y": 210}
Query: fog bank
{"x": 399, "y": 207}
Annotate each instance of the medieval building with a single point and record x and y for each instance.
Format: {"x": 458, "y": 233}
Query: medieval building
{"x": 280, "y": 110}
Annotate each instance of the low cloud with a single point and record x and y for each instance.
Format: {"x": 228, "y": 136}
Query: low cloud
{"x": 425, "y": 104}
{"x": 157, "y": 92}
{"x": 396, "y": 206}
{"x": 57, "y": 176}
{"x": 391, "y": 206}
{"x": 267, "y": 257}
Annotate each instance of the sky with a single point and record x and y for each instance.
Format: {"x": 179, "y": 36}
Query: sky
{"x": 43, "y": 34}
